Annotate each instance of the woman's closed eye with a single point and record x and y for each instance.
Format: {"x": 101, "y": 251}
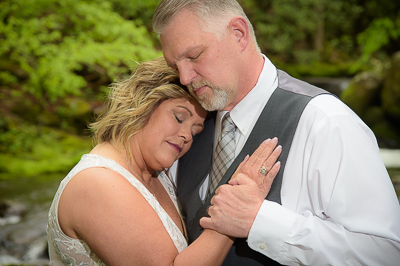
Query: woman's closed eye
{"x": 179, "y": 120}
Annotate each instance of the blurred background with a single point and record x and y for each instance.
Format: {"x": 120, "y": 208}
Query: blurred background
{"x": 57, "y": 58}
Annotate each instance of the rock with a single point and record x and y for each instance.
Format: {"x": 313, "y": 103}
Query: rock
{"x": 25, "y": 235}
{"x": 363, "y": 92}
{"x": 9, "y": 260}
{"x": 11, "y": 212}
{"x": 373, "y": 115}
{"x": 376, "y": 99}
{"x": 37, "y": 250}
{"x": 386, "y": 134}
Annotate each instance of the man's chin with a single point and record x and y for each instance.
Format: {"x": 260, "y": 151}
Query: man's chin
{"x": 210, "y": 105}
{"x": 213, "y": 101}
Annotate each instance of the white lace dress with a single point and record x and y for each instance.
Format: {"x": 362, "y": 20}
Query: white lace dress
{"x": 64, "y": 250}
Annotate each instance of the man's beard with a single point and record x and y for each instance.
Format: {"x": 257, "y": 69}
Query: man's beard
{"x": 216, "y": 101}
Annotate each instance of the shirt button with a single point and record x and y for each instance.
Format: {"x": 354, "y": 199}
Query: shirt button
{"x": 261, "y": 246}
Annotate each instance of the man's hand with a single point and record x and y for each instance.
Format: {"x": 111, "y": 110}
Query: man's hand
{"x": 235, "y": 206}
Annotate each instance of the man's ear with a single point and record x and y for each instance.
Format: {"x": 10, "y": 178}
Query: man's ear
{"x": 240, "y": 29}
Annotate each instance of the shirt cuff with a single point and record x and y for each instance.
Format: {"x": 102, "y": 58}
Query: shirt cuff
{"x": 270, "y": 229}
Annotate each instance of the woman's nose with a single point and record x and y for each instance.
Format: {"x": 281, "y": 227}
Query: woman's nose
{"x": 186, "y": 134}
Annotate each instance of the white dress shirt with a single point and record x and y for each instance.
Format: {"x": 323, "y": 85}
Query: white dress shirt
{"x": 339, "y": 206}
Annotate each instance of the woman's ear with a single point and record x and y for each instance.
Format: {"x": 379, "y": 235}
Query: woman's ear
{"x": 240, "y": 29}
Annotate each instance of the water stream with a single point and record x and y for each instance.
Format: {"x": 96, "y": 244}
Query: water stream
{"x": 23, "y": 229}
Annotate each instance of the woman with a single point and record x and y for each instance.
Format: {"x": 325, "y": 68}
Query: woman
{"x": 117, "y": 206}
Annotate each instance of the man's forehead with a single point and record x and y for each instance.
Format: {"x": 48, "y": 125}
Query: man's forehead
{"x": 180, "y": 47}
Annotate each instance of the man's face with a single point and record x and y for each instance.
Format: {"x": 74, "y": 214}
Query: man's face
{"x": 206, "y": 63}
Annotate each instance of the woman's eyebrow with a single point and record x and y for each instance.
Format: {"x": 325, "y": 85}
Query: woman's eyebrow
{"x": 184, "y": 107}
{"x": 191, "y": 115}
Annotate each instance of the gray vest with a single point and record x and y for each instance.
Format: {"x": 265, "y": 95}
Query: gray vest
{"x": 278, "y": 119}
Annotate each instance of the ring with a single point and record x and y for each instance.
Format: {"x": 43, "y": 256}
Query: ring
{"x": 263, "y": 170}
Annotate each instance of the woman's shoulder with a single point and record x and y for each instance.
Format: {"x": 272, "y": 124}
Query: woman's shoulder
{"x": 99, "y": 176}
{"x": 93, "y": 192}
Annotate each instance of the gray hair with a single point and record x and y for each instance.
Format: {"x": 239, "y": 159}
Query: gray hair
{"x": 213, "y": 15}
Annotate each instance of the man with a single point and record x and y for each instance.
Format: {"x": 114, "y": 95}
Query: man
{"x": 332, "y": 203}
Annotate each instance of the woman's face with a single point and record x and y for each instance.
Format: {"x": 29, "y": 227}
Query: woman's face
{"x": 169, "y": 133}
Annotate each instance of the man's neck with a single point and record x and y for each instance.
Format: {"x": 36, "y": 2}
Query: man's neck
{"x": 249, "y": 79}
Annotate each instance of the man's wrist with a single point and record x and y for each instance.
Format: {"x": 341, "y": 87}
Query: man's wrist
{"x": 270, "y": 228}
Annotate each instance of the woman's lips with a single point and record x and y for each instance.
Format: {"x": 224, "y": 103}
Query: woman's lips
{"x": 176, "y": 147}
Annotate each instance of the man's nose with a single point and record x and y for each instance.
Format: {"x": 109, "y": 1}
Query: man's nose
{"x": 186, "y": 74}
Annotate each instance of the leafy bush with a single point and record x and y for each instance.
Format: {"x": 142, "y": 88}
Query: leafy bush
{"x": 56, "y": 60}
{"x": 335, "y": 32}
{"x": 48, "y": 44}
{"x": 379, "y": 33}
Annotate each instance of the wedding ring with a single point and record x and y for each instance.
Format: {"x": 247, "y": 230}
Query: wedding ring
{"x": 263, "y": 170}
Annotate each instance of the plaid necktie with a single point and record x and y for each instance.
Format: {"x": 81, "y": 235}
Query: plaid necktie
{"x": 224, "y": 152}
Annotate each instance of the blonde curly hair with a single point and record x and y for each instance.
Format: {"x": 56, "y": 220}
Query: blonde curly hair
{"x": 131, "y": 102}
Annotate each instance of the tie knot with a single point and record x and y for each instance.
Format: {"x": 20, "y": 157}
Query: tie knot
{"x": 227, "y": 123}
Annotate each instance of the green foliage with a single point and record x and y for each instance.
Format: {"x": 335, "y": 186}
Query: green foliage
{"x": 28, "y": 151}
{"x": 315, "y": 69}
{"x": 138, "y": 10}
{"x": 363, "y": 92}
{"x": 18, "y": 139}
{"x": 379, "y": 33}
{"x": 56, "y": 60}
{"x": 391, "y": 90}
{"x": 47, "y": 44}
{"x": 310, "y": 32}
{"x": 282, "y": 26}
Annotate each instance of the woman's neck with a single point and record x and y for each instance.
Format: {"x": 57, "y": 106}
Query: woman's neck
{"x": 136, "y": 165}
